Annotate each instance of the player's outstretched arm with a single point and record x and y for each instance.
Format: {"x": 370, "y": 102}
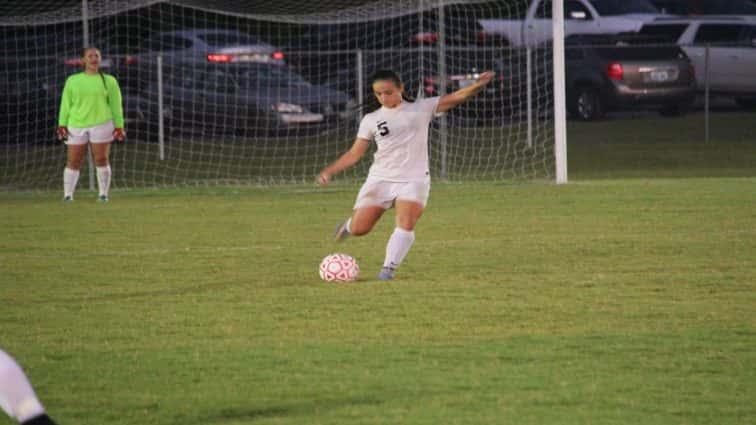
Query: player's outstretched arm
{"x": 453, "y": 99}
{"x": 348, "y": 159}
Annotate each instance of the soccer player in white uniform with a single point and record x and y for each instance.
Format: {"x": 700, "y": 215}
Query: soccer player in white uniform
{"x": 400, "y": 175}
{"x": 17, "y": 396}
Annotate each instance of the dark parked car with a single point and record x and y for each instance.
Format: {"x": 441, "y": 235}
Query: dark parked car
{"x": 731, "y": 43}
{"x": 326, "y": 53}
{"x": 602, "y": 73}
{"x": 249, "y": 98}
{"x": 461, "y": 28}
{"x": 28, "y": 100}
{"x": 603, "y": 76}
{"x": 200, "y": 43}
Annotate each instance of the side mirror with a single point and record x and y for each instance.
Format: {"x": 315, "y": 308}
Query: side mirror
{"x": 579, "y": 15}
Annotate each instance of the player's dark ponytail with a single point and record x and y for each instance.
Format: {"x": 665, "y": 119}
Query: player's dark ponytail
{"x": 372, "y": 104}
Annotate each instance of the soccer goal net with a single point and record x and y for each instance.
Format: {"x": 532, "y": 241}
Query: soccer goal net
{"x": 267, "y": 91}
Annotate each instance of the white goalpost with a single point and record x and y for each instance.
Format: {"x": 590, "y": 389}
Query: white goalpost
{"x": 560, "y": 104}
{"x": 269, "y": 92}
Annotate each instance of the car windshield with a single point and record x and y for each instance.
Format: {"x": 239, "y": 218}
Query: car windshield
{"x": 227, "y": 39}
{"x": 622, "y": 7}
{"x": 268, "y": 76}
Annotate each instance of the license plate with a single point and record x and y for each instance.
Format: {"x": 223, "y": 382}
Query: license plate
{"x": 254, "y": 57}
{"x": 658, "y": 76}
{"x": 301, "y": 118}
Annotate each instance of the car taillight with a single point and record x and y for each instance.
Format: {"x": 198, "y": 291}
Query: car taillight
{"x": 73, "y": 62}
{"x": 425, "y": 37}
{"x": 480, "y": 36}
{"x": 277, "y": 55}
{"x": 129, "y": 60}
{"x": 220, "y": 58}
{"x": 615, "y": 72}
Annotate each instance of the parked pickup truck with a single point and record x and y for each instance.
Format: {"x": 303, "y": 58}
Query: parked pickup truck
{"x": 580, "y": 17}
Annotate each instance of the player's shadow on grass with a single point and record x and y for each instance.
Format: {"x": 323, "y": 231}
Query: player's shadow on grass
{"x": 234, "y": 414}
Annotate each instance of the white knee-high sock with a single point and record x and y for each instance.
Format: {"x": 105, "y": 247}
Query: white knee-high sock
{"x": 17, "y": 396}
{"x": 398, "y": 246}
{"x": 103, "y": 179}
{"x": 70, "y": 178}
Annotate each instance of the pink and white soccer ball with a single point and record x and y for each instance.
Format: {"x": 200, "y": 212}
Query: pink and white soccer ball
{"x": 339, "y": 268}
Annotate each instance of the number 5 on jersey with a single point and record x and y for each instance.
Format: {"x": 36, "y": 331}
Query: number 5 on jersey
{"x": 383, "y": 129}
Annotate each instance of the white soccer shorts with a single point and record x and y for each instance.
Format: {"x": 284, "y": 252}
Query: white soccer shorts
{"x": 102, "y": 133}
{"x": 381, "y": 193}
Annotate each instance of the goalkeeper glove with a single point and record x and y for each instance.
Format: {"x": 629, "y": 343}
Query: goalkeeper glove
{"x": 119, "y": 134}
{"x": 62, "y": 133}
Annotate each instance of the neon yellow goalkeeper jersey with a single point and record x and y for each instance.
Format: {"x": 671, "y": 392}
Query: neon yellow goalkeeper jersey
{"x": 89, "y": 101}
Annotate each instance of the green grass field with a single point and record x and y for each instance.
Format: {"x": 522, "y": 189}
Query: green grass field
{"x": 611, "y": 300}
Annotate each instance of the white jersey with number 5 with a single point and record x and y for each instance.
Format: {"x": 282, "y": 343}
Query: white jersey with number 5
{"x": 401, "y": 134}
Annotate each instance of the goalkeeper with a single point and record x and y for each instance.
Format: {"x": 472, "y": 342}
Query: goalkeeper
{"x": 400, "y": 175}
{"x": 90, "y": 112}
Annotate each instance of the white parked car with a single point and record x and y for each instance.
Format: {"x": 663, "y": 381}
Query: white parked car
{"x": 580, "y": 17}
{"x": 732, "y": 52}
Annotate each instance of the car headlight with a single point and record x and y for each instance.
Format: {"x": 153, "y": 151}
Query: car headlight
{"x": 287, "y": 108}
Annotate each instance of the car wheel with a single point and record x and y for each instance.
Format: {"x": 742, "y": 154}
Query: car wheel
{"x": 587, "y": 104}
{"x": 746, "y": 102}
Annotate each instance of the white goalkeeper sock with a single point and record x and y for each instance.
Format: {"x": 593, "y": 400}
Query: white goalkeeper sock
{"x": 70, "y": 178}
{"x": 17, "y": 396}
{"x": 398, "y": 246}
{"x": 103, "y": 179}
